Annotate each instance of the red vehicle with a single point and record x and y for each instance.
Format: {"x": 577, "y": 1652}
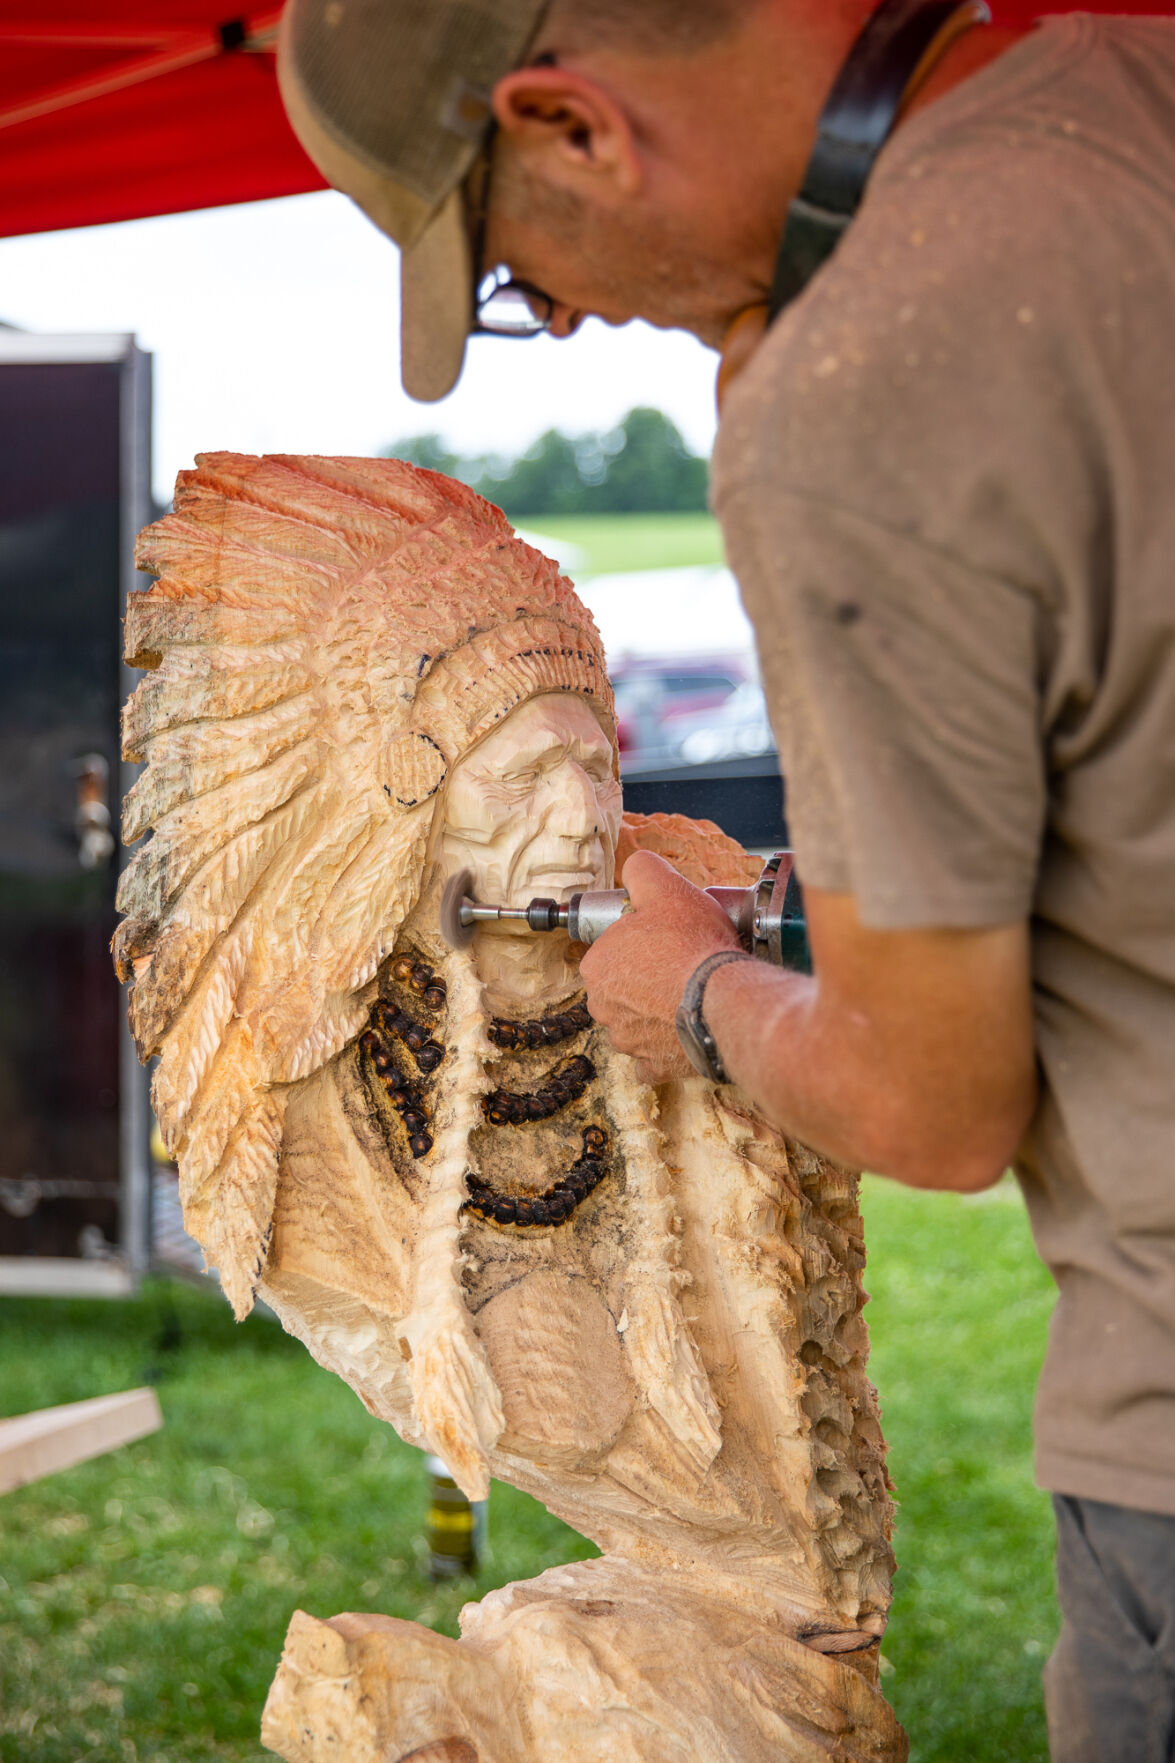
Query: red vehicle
{"x": 652, "y": 693}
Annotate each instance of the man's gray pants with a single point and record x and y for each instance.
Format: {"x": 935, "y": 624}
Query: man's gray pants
{"x": 1109, "y": 1687}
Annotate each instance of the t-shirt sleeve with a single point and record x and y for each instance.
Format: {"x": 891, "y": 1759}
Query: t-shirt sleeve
{"x": 911, "y": 489}
{"x": 902, "y": 687}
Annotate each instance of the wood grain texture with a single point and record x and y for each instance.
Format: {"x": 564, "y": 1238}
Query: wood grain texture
{"x": 52, "y": 1439}
{"x": 643, "y": 1307}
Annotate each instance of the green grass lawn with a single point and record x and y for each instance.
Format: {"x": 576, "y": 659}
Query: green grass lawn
{"x": 144, "y": 1596}
{"x": 958, "y": 1318}
{"x": 621, "y": 542}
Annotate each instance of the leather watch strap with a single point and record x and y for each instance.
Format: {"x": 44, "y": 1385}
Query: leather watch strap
{"x": 697, "y": 1042}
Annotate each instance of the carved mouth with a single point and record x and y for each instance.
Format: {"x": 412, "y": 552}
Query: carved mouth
{"x": 560, "y": 881}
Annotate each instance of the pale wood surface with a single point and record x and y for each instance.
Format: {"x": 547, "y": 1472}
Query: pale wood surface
{"x": 641, "y": 1306}
{"x": 52, "y": 1439}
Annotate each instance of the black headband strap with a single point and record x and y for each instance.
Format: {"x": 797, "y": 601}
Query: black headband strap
{"x": 856, "y": 123}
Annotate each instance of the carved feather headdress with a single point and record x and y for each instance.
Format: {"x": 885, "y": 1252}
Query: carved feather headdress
{"x": 327, "y": 637}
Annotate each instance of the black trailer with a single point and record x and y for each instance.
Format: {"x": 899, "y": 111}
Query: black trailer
{"x": 75, "y": 1168}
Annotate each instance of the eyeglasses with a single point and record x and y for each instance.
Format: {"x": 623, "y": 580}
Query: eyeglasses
{"x": 502, "y": 307}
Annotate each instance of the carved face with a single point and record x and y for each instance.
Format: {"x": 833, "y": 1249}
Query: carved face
{"x": 534, "y": 809}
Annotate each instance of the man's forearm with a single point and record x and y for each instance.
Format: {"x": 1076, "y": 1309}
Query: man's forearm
{"x": 841, "y": 1080}
{"x": 910, "y": 1053}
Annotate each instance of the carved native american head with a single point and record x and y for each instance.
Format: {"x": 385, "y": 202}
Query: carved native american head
{"x": 642, "y": 1306}
{"x": 327, "y": 638}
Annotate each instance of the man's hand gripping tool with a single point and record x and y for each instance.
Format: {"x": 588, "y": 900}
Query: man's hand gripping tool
{"x": 769, "y": 917}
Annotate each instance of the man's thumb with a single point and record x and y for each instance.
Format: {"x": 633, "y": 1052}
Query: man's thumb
{"x": 648, "y": 877}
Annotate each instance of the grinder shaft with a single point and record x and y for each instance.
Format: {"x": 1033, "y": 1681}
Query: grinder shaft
{"x": 768, "y": 917}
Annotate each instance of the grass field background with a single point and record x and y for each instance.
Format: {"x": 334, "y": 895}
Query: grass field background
{"x": 958, "y": 1319}
{"x": 144, "y": 1596}
{"x": 615, "y": 543}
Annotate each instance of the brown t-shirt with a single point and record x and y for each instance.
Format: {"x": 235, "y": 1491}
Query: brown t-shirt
{"x": 947, "y": 485}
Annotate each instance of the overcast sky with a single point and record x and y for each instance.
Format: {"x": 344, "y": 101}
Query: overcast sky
{"x": 274, "y": 327}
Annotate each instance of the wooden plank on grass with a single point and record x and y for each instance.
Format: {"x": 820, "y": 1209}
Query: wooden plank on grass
{"x": 34, "y": 1276}
{"x": 32, "y": 1445}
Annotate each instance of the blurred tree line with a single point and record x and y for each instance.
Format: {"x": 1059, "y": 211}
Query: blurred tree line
{"x": 641, "y": 467}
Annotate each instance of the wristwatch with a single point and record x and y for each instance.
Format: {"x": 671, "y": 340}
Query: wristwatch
{"x": 697, "y": 1042}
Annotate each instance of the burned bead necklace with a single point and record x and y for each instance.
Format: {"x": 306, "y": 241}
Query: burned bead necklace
{"x": 563, "y": 1085}
{"x": 543, "y": 1031}
{"x": 407, "y": 1097}
{"x": 557, "y": 1203}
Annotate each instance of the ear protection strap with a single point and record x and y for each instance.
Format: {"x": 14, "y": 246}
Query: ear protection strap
{"x": 902, "y": 41}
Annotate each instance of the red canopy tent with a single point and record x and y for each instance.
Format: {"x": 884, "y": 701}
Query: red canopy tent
{"x": 112, "y": 109}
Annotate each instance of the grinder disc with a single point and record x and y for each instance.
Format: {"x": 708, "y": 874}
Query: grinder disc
{"x": 456, "y": 934}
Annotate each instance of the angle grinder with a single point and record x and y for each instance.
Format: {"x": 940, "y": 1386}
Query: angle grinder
{"x": 769, "y": 917}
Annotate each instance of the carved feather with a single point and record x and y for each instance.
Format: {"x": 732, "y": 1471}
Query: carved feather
{"x": 154, "y": 621}
{"x": 301, "y": 606}
{"x": 191, "y": 685}
{"x": 189, "y": 835}
{"x": 186, "y": 763}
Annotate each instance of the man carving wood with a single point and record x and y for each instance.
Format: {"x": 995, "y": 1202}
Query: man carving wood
{"x": 642, "y": 1306}
{"x": 943, "y": 476}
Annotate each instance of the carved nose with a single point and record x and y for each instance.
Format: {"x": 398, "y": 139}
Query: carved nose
{"x": 576, "y": 812}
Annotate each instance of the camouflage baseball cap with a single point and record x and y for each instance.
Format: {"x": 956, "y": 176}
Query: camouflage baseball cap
{"x": 391, "y": 100}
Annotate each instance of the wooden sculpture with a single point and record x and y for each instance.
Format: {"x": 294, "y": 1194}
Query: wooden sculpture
{"x": 642, "y": 1306}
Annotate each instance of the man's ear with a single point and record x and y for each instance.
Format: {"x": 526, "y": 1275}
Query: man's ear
{"x": 554, "y": 110}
